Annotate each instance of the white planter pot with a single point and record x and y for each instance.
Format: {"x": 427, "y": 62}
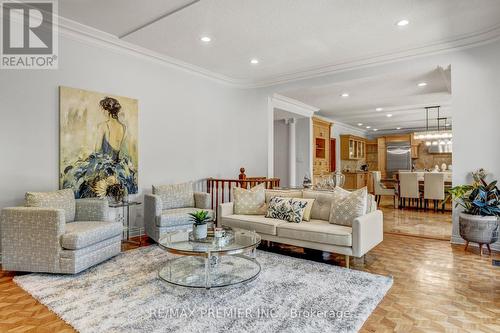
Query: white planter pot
{"x": 478, "y": 229}
{"x": 200, "y": 231}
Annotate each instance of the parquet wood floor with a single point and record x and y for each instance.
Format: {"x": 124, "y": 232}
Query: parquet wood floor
{"x": 409, "y": 221}
{"x": 437, "y": 288}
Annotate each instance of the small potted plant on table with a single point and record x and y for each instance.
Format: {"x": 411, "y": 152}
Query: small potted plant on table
{"x": 200, "y": 219}
{"x": 478, "y": 222}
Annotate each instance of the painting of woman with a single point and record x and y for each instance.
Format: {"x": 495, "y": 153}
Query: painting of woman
{"x": 98, "y": 143}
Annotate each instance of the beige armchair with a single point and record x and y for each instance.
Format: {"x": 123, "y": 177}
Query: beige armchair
{"x": 168, "y": 208}
{"x": 55, "y": 233}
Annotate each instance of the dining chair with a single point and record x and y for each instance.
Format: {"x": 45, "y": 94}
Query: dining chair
{"x": 409, "y": 189}
{"x": 379, "y": 189}
{"x": 434, "y": 189}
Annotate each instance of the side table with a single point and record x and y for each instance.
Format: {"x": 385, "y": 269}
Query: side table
{"x": 125, "y": 206}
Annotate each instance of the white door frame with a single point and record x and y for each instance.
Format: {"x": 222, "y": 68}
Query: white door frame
{"x": 277, "y": 101}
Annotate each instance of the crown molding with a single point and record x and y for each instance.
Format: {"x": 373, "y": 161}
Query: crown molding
{"x": 92, "y": 36}
{"x": 293, "y": 105}
{"x": 458, "y": 43}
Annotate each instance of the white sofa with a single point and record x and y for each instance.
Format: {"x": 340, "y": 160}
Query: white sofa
{"x": 366, "y": 231}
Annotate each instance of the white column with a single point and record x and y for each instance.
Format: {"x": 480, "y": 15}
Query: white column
{"x": 292, "y": 156}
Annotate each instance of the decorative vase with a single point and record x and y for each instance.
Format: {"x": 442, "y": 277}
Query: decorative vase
{"x": 478, "y": 229}
{"x": 200, "y": 231}
{"x": 338, "y": 179}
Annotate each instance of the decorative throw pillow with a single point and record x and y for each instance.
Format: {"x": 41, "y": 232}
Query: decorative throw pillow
{"x": 307, "y": 211}
{"x": 62, "y": 199}
{"x": 175, "y": 195}
{"x": 287, "y": 209}
{"x": 250, "y": 202}
{"x": 346, "y": 206}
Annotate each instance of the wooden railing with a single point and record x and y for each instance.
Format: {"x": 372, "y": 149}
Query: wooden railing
{"x": 220, "y": 189}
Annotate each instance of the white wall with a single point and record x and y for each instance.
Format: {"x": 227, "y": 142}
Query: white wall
{"x": 190, "y": 127}
{"x": 281, "y": 155}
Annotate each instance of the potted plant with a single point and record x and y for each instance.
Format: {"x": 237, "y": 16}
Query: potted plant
{"x": 478, "y": 222}
{"x": 200, "y": 219}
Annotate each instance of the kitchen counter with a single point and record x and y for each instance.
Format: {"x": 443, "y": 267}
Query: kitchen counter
{"x": 355, "y": 172}
{"x": 357, "y": 179}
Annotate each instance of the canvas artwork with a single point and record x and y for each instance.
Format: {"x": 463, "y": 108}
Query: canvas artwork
{"x": 98, "y": 142}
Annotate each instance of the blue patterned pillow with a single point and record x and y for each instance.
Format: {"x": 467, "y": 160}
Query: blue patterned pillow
{"x": 287, "y": 209}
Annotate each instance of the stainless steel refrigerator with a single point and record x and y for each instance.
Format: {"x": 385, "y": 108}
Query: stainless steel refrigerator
{"x": 398, "y": 157}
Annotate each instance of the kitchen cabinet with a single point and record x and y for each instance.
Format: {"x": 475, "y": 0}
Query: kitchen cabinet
{"x": 381, "y": 148}
{"x": 321, "y": 149}
{"x": 352, "y": 147}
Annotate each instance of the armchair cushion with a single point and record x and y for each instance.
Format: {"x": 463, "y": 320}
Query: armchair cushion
{"x": 79, "y": 235}
{"x": 176, "y": 195}
{"x": 178, "y": 216}
{"x": 202, "y": 200}
{"x": 92, "y": 209}
{"x": 62, "y": 199}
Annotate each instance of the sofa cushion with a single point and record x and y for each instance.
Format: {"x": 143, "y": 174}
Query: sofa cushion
{"x": 79, "y": 235}
{"x": 322, "y": 204}
{"x": 287, "y": 209}
{"x": 178, "y": 216}
{"x": 257, "y": 223}
{"x": 62, "y": 199}
{"x": 283, "y": 194}
{"x": 175, "y": 195}
{"x": 318, "y": 231}
{"x": 346, "y": 206}
{"x": 250, "y": 202}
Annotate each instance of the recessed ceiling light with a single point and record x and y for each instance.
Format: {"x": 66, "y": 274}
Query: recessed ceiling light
{"x": 402, "y": 23}
{"x": 379, "y": 109}
{"x": 398, "y": 128}
{"x": 254, "y": 61}
{"x": 389, "y": 115}
{"x": 368, "y": 127}
{"x": 345, "y": 95}
{"x": 422, "y": 84}
{"x": 206, "y": 39}
{"x": 360, "y": 124}
{"x": 375, "y": 129}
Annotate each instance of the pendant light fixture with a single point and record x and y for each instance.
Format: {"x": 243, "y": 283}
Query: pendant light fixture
{"x": 440, "y": 137}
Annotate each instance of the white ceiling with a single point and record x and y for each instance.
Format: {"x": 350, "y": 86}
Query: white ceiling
{"x": 291, "y": 38}
{"x": 397, "y": 93}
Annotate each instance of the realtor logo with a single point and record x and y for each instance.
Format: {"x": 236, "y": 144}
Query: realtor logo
{"x": 29, "y": 34}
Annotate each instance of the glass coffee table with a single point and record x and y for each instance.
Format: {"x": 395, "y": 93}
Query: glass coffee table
{"x": 211, "y": 262}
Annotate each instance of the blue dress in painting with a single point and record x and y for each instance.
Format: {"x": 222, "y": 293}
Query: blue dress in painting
{"x": 104, "y": 163}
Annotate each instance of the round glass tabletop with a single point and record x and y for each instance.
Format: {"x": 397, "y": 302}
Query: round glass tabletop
{"x": 234, "y": 241}
{"x": 210, "y": 262}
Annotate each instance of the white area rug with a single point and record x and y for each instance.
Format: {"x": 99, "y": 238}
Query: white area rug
{"x": 125, "y": 294}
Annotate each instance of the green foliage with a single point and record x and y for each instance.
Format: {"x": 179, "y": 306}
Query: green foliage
{"x": 480, "y": 198}
{"x": 200, "y": 217}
